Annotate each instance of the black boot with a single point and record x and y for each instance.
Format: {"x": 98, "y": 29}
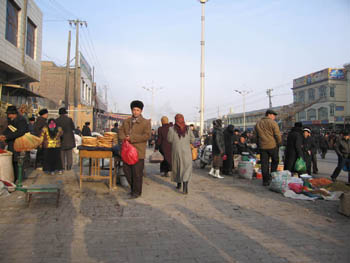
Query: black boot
{"x": 185, "y": 187}
{"x": 178, "y": 186}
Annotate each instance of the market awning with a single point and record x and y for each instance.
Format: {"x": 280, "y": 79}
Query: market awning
{"x": 17, "y": 90}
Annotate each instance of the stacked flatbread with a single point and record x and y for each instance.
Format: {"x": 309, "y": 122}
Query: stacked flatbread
{"x": 89, "y": 141}
{"x": 108, "y": 140}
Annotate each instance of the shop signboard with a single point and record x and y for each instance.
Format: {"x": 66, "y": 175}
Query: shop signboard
{"x": 339, "y": 118}
{"x": 334, "y": 73}
{"x": 311, "y": 78}
{"x": 339, "y": 108}
{"x": 85, "y": 66}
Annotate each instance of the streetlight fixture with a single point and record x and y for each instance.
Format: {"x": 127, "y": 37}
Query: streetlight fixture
{"x": 202, "y": 74}
{"x": 243, "y": 93}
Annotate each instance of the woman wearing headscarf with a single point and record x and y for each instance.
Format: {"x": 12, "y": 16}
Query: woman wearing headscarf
{"x": 164, "y": 146}
{"x": 51, "y": 136}
{"x": 181, "y": 138}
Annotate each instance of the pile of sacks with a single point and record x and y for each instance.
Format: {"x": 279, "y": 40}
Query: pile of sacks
{"x": 303, "y": 188}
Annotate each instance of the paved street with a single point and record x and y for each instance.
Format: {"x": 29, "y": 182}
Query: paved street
{"x": 229, "y": 220}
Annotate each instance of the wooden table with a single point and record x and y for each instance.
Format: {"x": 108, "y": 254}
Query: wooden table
{"x": 94, "y": 167}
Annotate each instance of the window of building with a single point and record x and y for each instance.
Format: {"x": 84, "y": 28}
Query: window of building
{"x": 331, "y": 109}
{"x": 311, "y": 94}
{"x": 322, "y": 91}
{"x": 301, "y": 96}
{"x": 323, "y": 113}
{"x": 302, "y": 116}
{"x": 12, "y": 11}
{"x": 311, "y": 115}
{"x": 30, "y": 45}
{"x": 295, "y": 98}
{"x": 332, "y": 91}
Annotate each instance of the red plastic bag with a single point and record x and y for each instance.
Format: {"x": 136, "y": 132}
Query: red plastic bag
{"x": 130, "y": 155}
{"x": 297, "y": 188}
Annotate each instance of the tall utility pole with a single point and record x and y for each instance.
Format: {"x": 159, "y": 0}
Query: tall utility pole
{"x": 77, "y": 23}
{"x": 66, "y": 91}
{"x": 202, "y": 74}
{"x": 269, "y": 94}
{"x": 153, "y": 90}
{"x": 243, "y": 93}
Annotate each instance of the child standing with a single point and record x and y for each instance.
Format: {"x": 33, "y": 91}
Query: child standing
{"x": 51, "y": 136}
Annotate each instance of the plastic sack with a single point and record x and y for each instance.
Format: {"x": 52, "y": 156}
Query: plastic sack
{"x": 6, "y": 167}
{"x": 280, "y": 180}
{"x": 27, "y": 142}
{"x": 245, "y": 170}
{"x": 130, "y": 155}
{"x": 346, "y": 167}
{"x": 300, "y": 165}
{"x": 156, "y": 157}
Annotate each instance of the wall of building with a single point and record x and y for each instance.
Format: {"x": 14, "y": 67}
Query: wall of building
{"x": 12, "y": 55}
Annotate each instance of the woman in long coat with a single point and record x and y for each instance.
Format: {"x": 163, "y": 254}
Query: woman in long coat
{"x": 181, "y": 138}
{"x": 164, "y": 146}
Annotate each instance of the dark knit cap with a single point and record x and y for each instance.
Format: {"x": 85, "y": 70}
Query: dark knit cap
{"x": 43, "y": 111}
{"x": 87, "y": 123}
{"x": 62, "y": 111}
{"x": 298, "y": 124}
{"x": 11, "y": 110}
{"x": 32, "y": 119}
{"x": 136, "y": 104}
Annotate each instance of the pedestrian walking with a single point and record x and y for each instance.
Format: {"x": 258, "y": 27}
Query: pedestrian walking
{"x": 194, "y": 131}
{"x": 181, "y": 138}
{"x": 164, "y": 147}
{"x": 228, "y": 164}
{"x": 294, "y": 147}
{"x": 324, "y": 145}
{"x": 137, "y": 131}
{"x": 307, "y": 148}
{"x": 68, "y": 139}
{"x": 269, "y": 139}
{"x": 40, "y": 123}
{"x": 17, "y": 126}
{"x": 152, "y": 139}
{"x": 342, "y": 148}
{"x": 51, "y": 136}
{"x": 86, "y": 129}
{"x": 218, "y": 149}
{"x": 314, "y": 148}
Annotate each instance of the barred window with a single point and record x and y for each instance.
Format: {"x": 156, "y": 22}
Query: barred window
{"x": 311, "y": 94}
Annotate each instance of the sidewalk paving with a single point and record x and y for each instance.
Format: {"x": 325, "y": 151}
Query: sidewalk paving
{"x": 229, "y": 220}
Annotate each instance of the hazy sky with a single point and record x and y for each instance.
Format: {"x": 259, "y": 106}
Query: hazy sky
{"x": 250, "y": 45}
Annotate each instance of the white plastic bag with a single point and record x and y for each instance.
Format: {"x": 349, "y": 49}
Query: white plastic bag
{"x": 280, "y": 180}
{"x": 245, "y": 170}
{"x": 6, "y": 167}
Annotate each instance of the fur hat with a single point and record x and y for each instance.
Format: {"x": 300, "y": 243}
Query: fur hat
{"x": 87, "y": 123}
{"x": 136, "y": 104}
{"x": 62, "y": 111}
{"x": 11, "y": 110}
{"x": 43, "y": 111}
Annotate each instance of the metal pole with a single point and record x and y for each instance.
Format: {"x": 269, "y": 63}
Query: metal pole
{"x": 66, "y": 91}
{"x": 202, "y": 74}
{"x": 243, "y": 94}
{"x": 75, "y": 114}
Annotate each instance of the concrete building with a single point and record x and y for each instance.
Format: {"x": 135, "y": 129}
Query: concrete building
{"x": 52, "y": 86}
{"x": 20, "y": 41}
{"x": 328, "y": 89}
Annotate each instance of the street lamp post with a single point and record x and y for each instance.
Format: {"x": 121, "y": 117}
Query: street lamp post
{"x": 243, "y": 93}
{"x": 202, "y": 74}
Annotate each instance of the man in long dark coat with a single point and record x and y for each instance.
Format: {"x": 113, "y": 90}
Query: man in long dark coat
{"x": 68, "y": 140}
{"x": 324, "y": 145}
{"x": 86, "y": 129}
{"x": 17, "y": 127}
{"x": 218, "y": 149}
{"x": 229, "y": 145}
{"x": 164, "y": 147}
{"x": 294, "y": 147}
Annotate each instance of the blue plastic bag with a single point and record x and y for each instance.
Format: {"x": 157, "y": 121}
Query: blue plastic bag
{"x": 346, "y": 167}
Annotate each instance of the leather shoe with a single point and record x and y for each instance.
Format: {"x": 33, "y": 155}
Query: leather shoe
{"x": 134, "y": 196}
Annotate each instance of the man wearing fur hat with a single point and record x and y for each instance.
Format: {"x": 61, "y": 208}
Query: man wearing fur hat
{"x": 17, "y": 127}
{"x": 137, "y": 131}
{"x": 68, "y": 139}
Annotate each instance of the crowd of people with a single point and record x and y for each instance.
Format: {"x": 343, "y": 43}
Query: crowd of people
{"x": 175, "y": 142}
